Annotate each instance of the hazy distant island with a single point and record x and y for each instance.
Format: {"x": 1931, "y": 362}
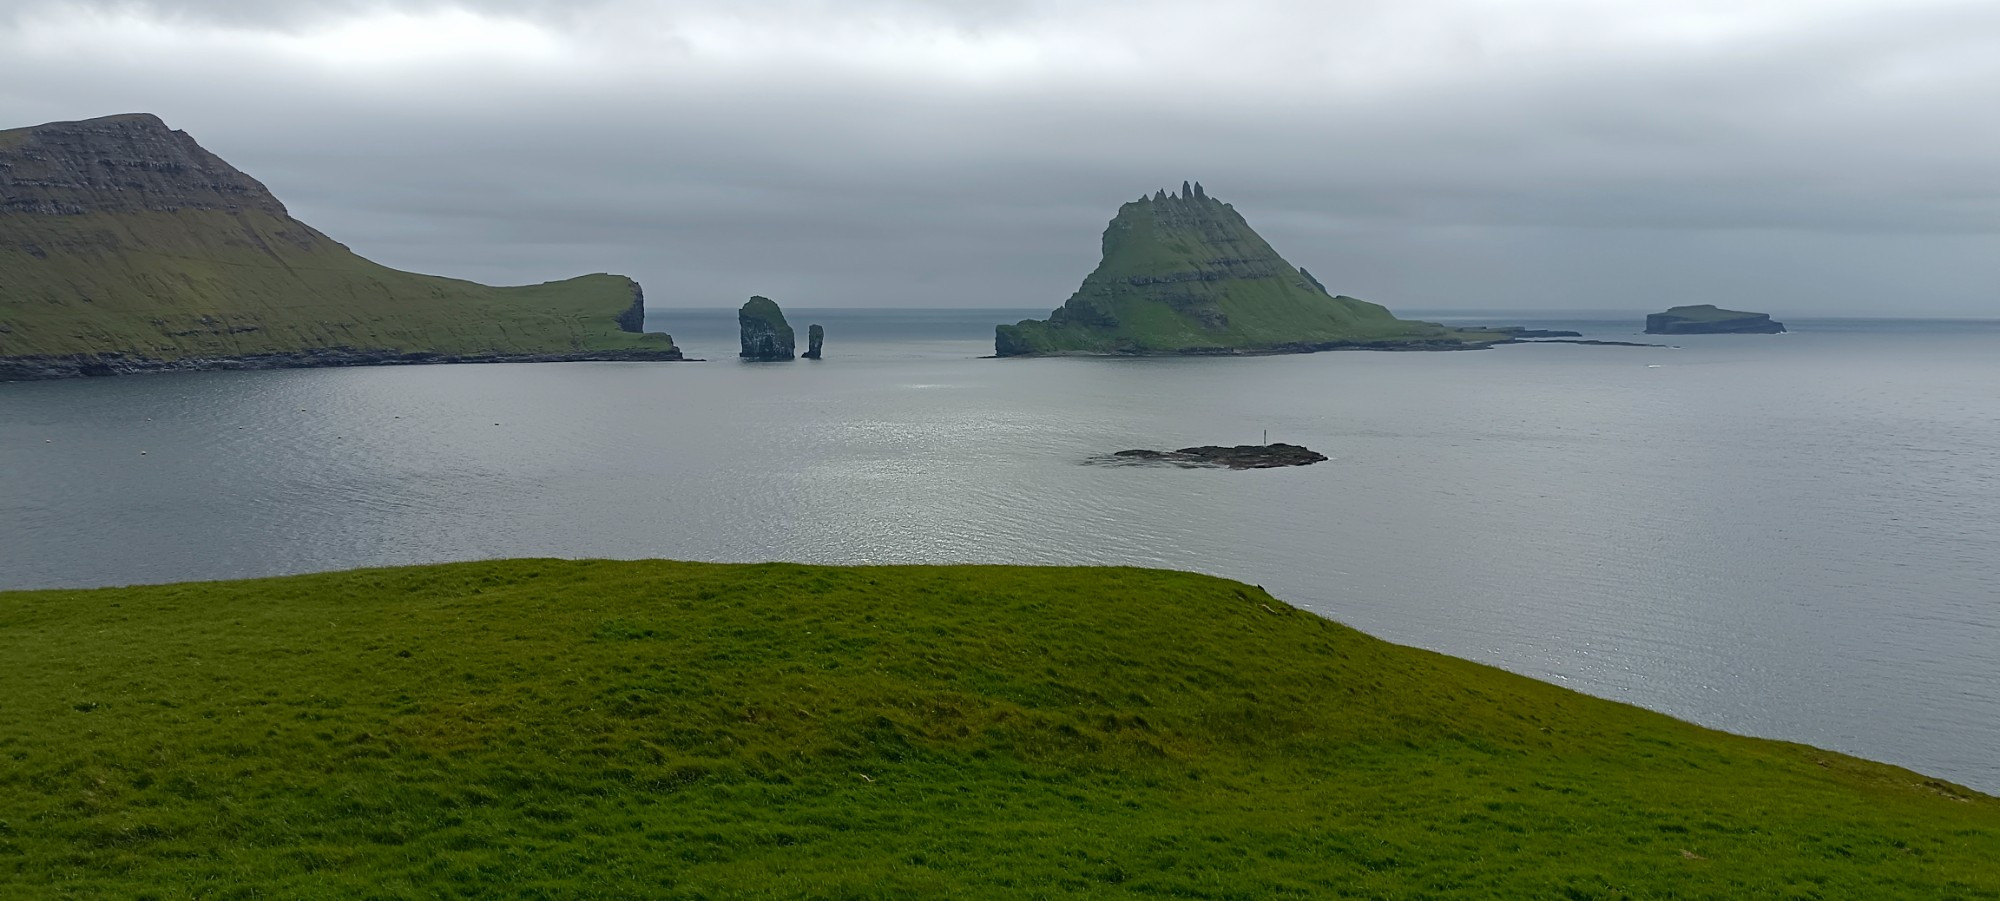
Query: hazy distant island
{"x": 127, "y": 247}
{"x": 1185, "y": 274}
{"x": 1709, "y": 319}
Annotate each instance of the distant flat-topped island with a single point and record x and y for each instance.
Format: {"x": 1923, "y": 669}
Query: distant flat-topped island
{"x": 1709, "y": 319}
{"x": 1185, "y": 274}
{"x": 127, "y": 247}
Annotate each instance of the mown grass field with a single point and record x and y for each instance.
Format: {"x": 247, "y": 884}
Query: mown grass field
{"x": 552, "y": 729}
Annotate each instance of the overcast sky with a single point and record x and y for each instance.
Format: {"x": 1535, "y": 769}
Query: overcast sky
{"x": 1802, "y": 157}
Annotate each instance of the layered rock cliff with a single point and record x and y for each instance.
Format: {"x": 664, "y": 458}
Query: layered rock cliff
{"x": 1709, "y": 319}
{"x": 1184, "y": 273}
{"x": 764, "y": 333}
{"x": 126, "y": 246}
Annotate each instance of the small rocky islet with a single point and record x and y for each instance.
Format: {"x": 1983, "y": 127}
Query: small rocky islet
{"x": 1213, "y": 456}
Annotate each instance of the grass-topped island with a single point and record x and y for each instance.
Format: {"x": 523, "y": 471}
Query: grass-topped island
{"x": 554, "y": 729}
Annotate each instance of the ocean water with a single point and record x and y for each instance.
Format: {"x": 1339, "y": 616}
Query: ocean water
{"x": 1791, "y": 536}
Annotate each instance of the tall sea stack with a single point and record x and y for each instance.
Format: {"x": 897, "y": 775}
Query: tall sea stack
{"x": 764, "y": 332}
{"x": 815, "y": 336}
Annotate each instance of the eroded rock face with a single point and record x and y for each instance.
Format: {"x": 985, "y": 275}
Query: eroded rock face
{"x": 121, "y": 164}
{"x": 1708, "y": 319}
{"x": 815, "y": 336}
{"x": 764, "y": 332}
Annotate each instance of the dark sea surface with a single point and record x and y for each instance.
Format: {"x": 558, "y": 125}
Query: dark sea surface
{"x": 1792, "y": 536}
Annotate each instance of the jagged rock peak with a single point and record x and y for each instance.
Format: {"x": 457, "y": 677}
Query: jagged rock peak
{"x": 119, "y": 164}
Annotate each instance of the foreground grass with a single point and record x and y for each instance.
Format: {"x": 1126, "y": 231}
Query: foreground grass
{"x": 551, "y": 729}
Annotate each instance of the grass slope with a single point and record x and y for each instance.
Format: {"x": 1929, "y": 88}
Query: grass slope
{"x": 1186, "y": 274}
{"x": 209, "y": 283}
{"x": 120, "y": 236}
{"x": 542, "y": 729}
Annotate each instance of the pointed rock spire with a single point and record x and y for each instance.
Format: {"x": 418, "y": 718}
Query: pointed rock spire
{"x": 1198, "y": 193}
{"x": 1160, "y": 196}
{"x": 1187, "y": 191}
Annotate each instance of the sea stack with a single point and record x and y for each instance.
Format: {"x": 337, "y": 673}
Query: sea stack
{"x": 815, "y": 336}
{"x": 125, "y": 246}
{"x": 1185, "y": 274}
{"x": 765, "y": 334}
{"x": 1709, "y": 319}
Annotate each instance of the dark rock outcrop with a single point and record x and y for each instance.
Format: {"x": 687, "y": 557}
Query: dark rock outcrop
{"x": 765, "y": 334}
{"x": 815, "y": 336}
{"x": 1708, "y": 319}
{"x": 1245, "y": 456}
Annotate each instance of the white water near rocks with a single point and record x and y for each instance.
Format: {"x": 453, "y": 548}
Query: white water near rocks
{"x": 1794, "y": 536}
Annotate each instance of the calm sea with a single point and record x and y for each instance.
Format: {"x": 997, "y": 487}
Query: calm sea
{"x": 1791, "y": 536}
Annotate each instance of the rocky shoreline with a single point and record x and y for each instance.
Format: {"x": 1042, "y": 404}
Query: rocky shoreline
{"x": 43, "y": 368}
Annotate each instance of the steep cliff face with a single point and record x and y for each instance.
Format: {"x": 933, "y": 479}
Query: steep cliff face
{"x": 126, "y": 246}
{"x": 1184, "y": 273}
{"x": 1709, "y": 319}
{"x": 120, "y": 164}
{"x": 764, "y": 333}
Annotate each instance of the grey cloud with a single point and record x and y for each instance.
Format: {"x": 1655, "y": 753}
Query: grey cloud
{"x": 1841, "y": 165}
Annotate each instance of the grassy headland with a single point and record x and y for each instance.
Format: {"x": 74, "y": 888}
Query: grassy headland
{"x": 540, "y": 729}
{"x": 123, "y": 241}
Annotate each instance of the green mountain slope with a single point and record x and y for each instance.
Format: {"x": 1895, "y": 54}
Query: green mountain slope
{"x": 548, "y": 729}
{"x": 1184, "y": 273}
{"x": 125, "y": 245}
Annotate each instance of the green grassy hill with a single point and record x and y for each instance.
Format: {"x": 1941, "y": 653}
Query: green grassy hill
{"x": 1184, "y": 273}
{"x": 548, "y": 729}
{"x": 121, "y": 239}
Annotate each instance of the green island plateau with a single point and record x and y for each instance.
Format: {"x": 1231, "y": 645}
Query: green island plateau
{"x": 126, "y": 247}
{"x": 654, "y": 729}
{"x": 1185, "y": 274}
{"x": 1709, "y": 319}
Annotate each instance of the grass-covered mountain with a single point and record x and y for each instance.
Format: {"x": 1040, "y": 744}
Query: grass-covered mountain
{"x": 550, "y": 729}
{"x": 1184, "y": 273}
{"x": 124, "y": 245}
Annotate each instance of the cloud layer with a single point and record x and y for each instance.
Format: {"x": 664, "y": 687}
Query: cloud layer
{"x": 1830, "y": 157}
